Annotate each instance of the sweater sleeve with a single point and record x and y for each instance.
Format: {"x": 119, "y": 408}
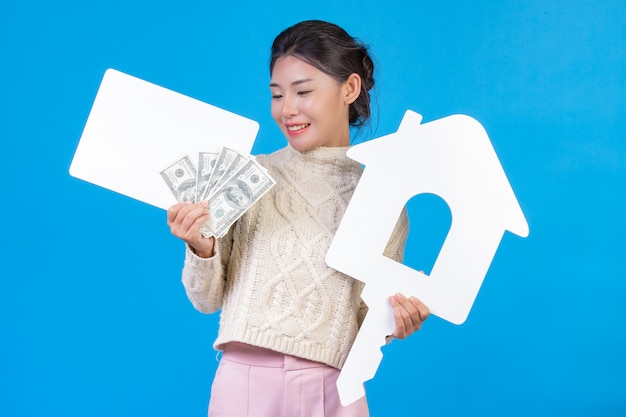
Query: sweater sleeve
{"x": 395, "y": 246}
{"x": 204, "y": 279}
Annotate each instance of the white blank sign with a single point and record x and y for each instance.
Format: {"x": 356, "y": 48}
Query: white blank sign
{"x": 136, "y": 129}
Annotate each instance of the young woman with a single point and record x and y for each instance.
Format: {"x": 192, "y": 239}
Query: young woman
{"x": 288, "y": 320}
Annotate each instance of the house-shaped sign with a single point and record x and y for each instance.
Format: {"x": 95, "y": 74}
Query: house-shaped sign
{"x": 452, "y": 158}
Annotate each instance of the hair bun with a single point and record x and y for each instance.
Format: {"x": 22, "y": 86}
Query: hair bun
{"x": 367, "y": 76}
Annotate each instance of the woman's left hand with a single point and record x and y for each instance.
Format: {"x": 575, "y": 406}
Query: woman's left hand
{"x": 408, "y": 313}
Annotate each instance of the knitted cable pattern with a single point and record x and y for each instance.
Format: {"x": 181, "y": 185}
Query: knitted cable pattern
{"x": 269, "y": 276}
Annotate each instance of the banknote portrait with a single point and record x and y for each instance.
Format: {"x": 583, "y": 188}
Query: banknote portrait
{"x": 238, "y": 194}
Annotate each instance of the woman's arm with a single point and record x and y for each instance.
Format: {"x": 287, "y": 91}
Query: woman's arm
{"x": 203, "y": 273}
{"x": 204, "y": 280}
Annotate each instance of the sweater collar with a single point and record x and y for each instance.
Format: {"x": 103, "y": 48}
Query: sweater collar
{"x": 331, "y": 158}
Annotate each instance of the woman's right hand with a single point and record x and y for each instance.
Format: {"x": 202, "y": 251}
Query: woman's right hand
{"x": 185, "y": 219}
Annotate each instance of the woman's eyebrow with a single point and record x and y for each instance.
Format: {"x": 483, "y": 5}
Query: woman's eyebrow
{"x": 297, "y": 82}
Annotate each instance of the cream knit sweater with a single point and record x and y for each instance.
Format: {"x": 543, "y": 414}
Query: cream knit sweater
{"x": 268, "y": 275}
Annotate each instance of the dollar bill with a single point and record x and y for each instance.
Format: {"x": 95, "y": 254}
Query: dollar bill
{"x": 233, "y": 166}
{"x": 180, "y": 177}
{"x": 230, "y": 201}
{"x": 226, "y": 157}
{"x": 206, "y": 163}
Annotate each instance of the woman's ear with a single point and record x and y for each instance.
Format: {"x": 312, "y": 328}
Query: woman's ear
{"x": 352, "y": 88}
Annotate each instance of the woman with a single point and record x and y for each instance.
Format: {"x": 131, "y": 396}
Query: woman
{"x": 288, "y": 320}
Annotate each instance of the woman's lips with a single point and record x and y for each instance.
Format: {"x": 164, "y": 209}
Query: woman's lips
{"x": 295, "y": 129}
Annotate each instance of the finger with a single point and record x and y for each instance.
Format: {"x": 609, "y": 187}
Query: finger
{"x": 188, "y": 215}
{"x": 412, "y": 309}
{"x": 403, "y": 321}
{"x": 423, "y": 310}
{"x": 400, "y": 332}
{"x": 192, "y": 218}
{"x": 202, "y": 218}
{"x": 173, "y": 211}
{"x": 413, "y": 313}
{"x": 184, "y": 217}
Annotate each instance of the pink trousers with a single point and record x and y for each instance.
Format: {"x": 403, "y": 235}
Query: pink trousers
{"x": 256, "y": 382}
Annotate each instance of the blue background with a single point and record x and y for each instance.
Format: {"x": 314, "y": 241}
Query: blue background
{"x": 93, "y": 318}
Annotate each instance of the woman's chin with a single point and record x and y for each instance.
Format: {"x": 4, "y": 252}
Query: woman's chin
{"x": 300, "y": 145}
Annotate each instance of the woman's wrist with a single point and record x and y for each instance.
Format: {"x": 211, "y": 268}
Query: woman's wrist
{"x": 207, "y": 252}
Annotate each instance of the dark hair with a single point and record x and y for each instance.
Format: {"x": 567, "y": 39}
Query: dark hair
{"x": 333, "y": 51}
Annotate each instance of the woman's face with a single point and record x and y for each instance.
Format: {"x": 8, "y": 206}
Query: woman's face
{"x": 310, "y": 107}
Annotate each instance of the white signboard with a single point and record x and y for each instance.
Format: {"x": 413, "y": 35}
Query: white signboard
{"x": 136, "y": 129}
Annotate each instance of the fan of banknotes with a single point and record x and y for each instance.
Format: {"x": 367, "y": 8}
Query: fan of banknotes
{"x": 230, "y": 181}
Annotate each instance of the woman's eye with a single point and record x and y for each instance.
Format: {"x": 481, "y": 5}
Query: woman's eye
{"x": 303, "y": 93}
{"x": 276, "y": 96}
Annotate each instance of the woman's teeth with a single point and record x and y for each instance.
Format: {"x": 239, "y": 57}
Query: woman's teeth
{"x": 296, "y": 128}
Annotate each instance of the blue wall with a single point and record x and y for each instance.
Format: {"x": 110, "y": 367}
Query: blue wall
{"x": 93, "y": 318}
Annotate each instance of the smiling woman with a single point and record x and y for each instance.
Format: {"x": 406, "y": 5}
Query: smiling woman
{"x": 283, "y": 308}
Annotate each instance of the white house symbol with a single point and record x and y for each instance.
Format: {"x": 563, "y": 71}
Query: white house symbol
{"x": 453, "y": 159}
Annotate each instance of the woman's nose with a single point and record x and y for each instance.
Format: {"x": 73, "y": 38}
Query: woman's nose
{"x": 290, "y": 107}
